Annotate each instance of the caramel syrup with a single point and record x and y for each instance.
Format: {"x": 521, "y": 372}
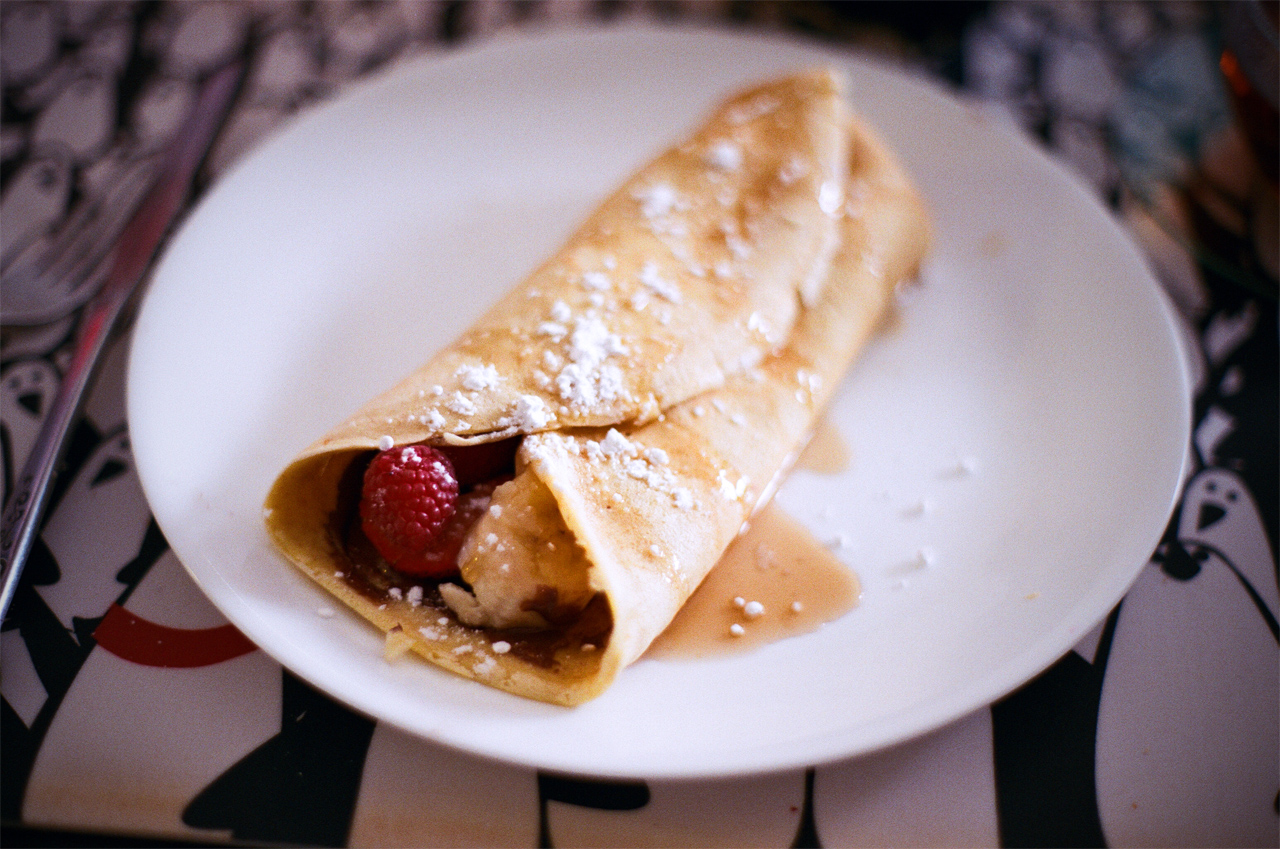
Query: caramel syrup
{"x": 775, "y": 563}
{"x": 826, "y": 451}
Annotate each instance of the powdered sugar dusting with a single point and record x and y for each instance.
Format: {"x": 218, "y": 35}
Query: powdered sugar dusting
{"x": 656, "y": 199}
{"x": 793, "y": 169}
{"x": 478, "y": 377}
{"x": 757, "y": 107}
{"x": 732, "y": 490}
{"x": 554, "y": 329}
{"x": 530, "y": 413}
{"x": 461, "y": 404}
{"x": 592, "y": 342}
{"x": 647, "y": 464}
{"x": 588, "y": 379}
{"x": 560, "y": 312}
{"x": 724, "y": 155}
{"x": 615, "y": 444}
{"x": 652, "y": 279}
{"x": 656, "y": 456}
{"x": 830, "y": 197}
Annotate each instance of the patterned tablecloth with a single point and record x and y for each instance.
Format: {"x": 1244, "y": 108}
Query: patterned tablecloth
{"x": 1160, "y": 728}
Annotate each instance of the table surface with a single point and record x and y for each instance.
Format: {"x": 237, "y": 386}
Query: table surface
{"x": 1162, "y": 727}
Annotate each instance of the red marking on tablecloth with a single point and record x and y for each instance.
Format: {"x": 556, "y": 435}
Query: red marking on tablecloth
{"x": 129, "y": 636}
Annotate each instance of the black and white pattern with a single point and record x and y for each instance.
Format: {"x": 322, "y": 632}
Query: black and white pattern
{"x": 1162, "y": 727}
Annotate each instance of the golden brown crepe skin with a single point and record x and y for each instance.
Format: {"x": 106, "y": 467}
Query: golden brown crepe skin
{"x": 649, "y": 485}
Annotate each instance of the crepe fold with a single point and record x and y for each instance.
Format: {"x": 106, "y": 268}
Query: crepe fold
{"x": 650, "y": 383}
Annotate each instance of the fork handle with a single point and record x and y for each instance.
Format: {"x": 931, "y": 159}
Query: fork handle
{"x": 134, "y": 252}
{"x": 31, "y": 492}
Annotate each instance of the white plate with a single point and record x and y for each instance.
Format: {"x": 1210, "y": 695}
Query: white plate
{"x": 340, "y": 254}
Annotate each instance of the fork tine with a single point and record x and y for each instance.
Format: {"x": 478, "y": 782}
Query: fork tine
{"x": 85, "y": 227}
{"x": 78, "y": 283}
{"x": 55, "y": 239}
{"x": 70, "y": 264}
{"x": 102, "y": 224}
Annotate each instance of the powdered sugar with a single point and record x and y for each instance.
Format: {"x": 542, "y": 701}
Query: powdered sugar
{"x": 560, "y": 312}
{"x": 652, "y": 279}
{"x": 648, "y": 464}
{"x": 830, "y": 197}
{"x": 738, "y": 246}
{"x": 530, "y": 413}
{"x": 583, "y": 387}
{"x": 461, "y": 404}
{"x": 587, "y": 379}
{"x": 724, "y": 155}
{"x": 614, "y": 444}
{"x": 554, "y": 329}
{"x": 656, "y": 456}
{"x": 477, "y": 378}
{"x": 732, "y": 490}
{"x": 793, "y": 169}
{"x": 757, "y": 107}
{"x": 592, "y": 342}
{"x": 656, "y": 199}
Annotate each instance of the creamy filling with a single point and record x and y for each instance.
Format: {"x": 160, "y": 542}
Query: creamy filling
{"x": 523, "y": 565}
{"x": 521, "y": 568}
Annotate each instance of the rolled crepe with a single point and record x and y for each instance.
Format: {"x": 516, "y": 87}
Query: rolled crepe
{"x": 650, "y": 383}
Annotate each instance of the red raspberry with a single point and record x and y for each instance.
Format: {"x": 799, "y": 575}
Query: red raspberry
{"x": 410, "y": 493}
{"x": 441, "y": 559}
{"x": 486, "y": 461}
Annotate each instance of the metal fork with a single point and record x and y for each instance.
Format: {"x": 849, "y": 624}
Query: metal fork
{"x": 132, "y": 255}
{"x": 45, "y": 278}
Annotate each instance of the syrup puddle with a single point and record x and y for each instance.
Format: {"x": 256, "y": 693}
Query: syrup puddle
{"x": 777, "y": 564}
{"x": 826, "y": 451}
